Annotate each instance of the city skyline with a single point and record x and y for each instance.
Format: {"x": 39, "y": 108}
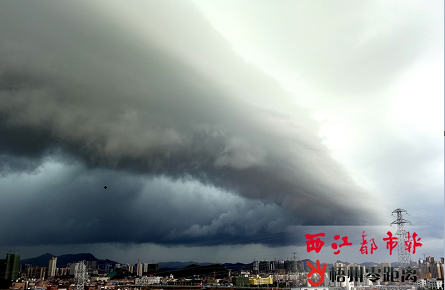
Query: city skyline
{"x": 427, "y": 271}
{"x": 41, "y": 260}
{"x": 281, "y": 273}
{"x": 220, "y": 131}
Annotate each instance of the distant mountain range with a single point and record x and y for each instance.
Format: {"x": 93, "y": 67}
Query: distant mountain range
{"x": 63, "y": 260}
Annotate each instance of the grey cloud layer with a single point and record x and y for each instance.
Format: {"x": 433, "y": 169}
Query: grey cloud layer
{"x": 76, "y": 85}
{"x": 59, "y": 206}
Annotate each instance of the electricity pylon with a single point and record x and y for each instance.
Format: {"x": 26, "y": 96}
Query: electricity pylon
{"x": 80, "y": 276}
{"x": 404, "y": 255}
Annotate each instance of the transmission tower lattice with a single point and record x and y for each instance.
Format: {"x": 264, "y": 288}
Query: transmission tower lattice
{"x": 80, "y": 275}
{"x": 404, "y": 255}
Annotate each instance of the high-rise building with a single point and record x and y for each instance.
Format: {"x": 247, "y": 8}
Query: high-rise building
{"x": 339, "y": 265}
{"x": 355, "y": 271}
{"x": 384, "y": 265}
{"x": 91, "y": 265}
{"x": 52, "y": 267}
{"x": 430, "y": 259}
{"x": 264, "y": 266}
{"x": 425, "y": 270}
{"x": 32, "y": 271}
{"x": 151, "y": 268}
{"x": 72, "y": 267}
{"x": 300, "y": 266}
{"x": 139, "y": 269}
{"x": 290, "y": 266}
{"x": 3, "y": 282}
{"x": 273, "y": 265}
{"x": 12, "y": 267}
{"x": 255, "y": 267}
{"x": 436, "y": 270}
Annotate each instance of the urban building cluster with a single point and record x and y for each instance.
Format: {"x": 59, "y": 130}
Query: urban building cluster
{"x": 88, "y": 275}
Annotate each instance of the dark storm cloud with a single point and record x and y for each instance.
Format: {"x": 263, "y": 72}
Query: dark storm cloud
{"x": 17, "y": 154}
{"x": 74, "y": 83}
{"x": 133, "y": 209}
{"x": 64, "y": 209}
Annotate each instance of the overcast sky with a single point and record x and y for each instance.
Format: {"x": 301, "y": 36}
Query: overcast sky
{"x": 223, "y": 130}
